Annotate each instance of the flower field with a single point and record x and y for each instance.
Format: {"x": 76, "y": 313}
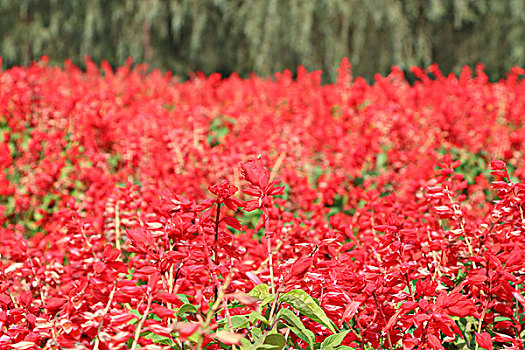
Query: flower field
{"x": 140, "y": 212}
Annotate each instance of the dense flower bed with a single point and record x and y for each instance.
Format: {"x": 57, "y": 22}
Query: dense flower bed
{"x": 137, "y": 211}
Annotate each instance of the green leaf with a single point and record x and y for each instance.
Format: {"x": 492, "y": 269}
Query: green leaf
{"x": 183, "y": 298}
{"x": 308, "y": 306}
{"x": 274, "y": 341}
{"x": 245, "y": 344}
{"x": 256, "y": 332}
{"x": 297, "y": 326}
{"x": 238, "y": 321}
{"x": 334, "y": 340}
{"x": 260, "y": 291}
{"x": 268, "y": 300}
{"x": 187, "y": 308}
{"x": 255, "y": 316}
{"x": 501, "y": 318}
{"x": 381, "y": 160}
{"x": 159, "y": 339}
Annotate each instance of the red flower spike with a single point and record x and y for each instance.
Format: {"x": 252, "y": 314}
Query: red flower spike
{"x": 255, "y": 173}
{"x": 162, "y": 312}
{"x": 258, "y": 177}
{"x": 499, "y": 173}
{"x": 225, "y": 191}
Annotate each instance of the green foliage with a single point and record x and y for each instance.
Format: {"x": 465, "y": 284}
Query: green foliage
{"x": 265, "y": 36}
{"x": 218, "y": 130}
{"x": 307, "y": 306}
{"x": 334, "y": 340}
{"x": 260, "y": 291}
{"x": 238, "y": 321}
{"x": 159, "y": 339}
{"x": 267, "y": 332}
{"x": 296, "y": 326}
{"x": 472, "y": 164}
{"x": 186, "y": 309}
{"x": 274, "y": 341}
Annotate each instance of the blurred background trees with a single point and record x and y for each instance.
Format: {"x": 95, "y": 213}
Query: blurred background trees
{"x": 265, "y": 36}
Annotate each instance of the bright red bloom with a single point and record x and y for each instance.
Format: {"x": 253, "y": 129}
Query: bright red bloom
{"x": 225, "y": 191}
{"x": 260, "y": 185}
{"x": 388, "y": 220}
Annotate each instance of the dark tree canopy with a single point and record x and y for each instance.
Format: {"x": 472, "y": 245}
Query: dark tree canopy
{"x": 264, "y": 36}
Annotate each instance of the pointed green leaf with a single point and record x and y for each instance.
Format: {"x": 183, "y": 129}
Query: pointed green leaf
{"x": 274, "y": 341}
{"x": 159, "y": 339}
{"x": 183, "y": 298}
{"x": 255, "y": 316}
{"x": 268, "y": 300}
{"x": 334, "y": 340}
{"x": 308, "y": 306}
{"x": 238, "y": 321}
{"x": 245, "y": 344}
{"x": 256, "y": 332}
{"x": 260, "y": 291}
{"x": 187, "y": 308}
{"x": 297, "y": 326}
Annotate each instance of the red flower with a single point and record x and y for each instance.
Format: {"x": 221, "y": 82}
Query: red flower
{"x": 225, "y": 191}
{"x": 258, "y": 177}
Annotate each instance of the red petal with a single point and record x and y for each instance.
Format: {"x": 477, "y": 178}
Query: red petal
{"x": 276, "y": 191}
{"x": 497, "y": 165}
{"x": 162, "y": 311}
{"x": 232, "y": 222}
{"x": 147, "y": 270}
{"x": 301, "y": 266}
{"x": 53, "y": 303}
{"x": 117, "y": 266}
{"x": 251, "y": 205}
{"x": 251, "y": 192}
{"x": 484, "y": 340}
{"x": 168, "y": 297}
{"x": 435, "y": 342}
{"x": 186, "y": 329}
{"x": 500, "y": 173}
